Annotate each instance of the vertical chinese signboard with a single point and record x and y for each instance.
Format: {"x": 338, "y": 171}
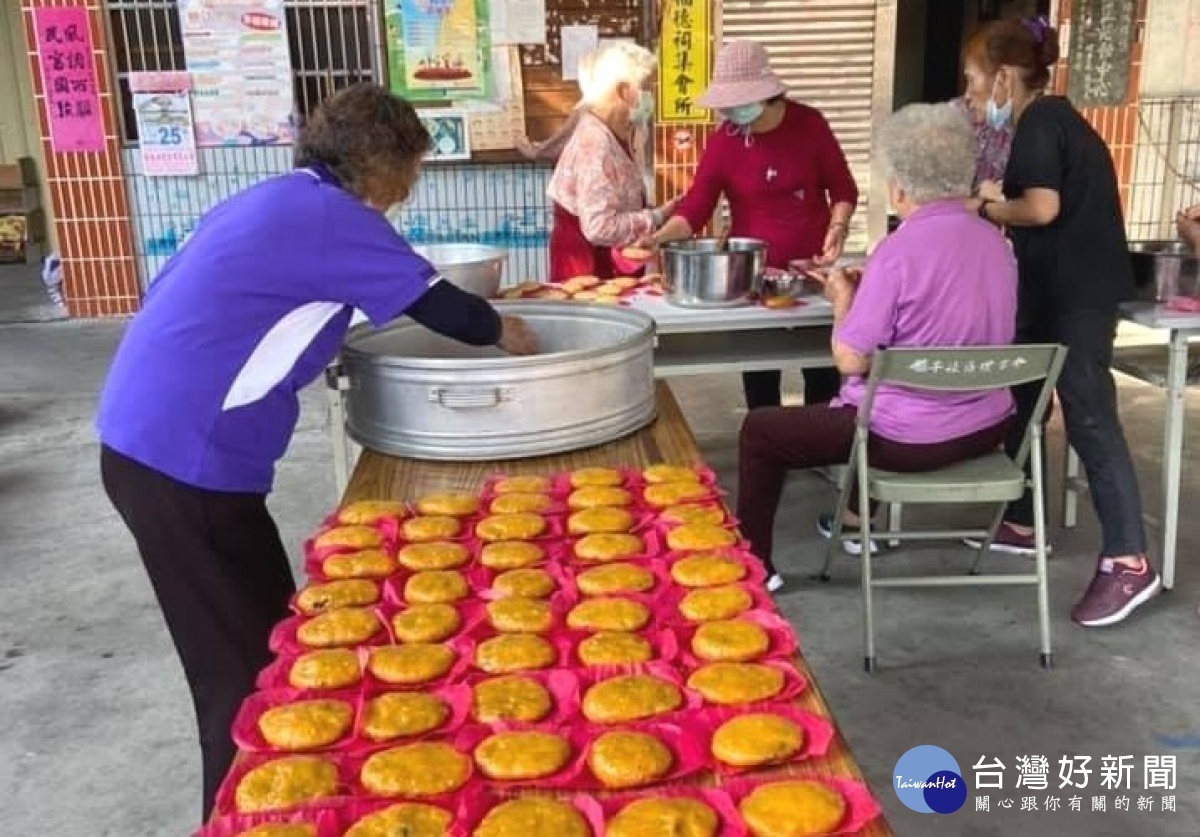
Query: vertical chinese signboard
{"x": 684, "y": 48}
{"x": 166, "y": 133}
{"x": 64, "y": 48}
{"x": 1101, "y": 47}
{"x": 237, "y": 54}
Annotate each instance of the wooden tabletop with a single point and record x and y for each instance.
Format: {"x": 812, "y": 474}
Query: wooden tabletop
{"x": 668, "y": 439}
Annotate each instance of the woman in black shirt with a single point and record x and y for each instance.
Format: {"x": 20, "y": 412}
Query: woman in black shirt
{"x": 1061, "y": 206}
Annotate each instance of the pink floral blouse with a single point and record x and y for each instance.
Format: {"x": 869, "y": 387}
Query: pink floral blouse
{"x": 991, "y": 145}
{"x": 599, "y": 182}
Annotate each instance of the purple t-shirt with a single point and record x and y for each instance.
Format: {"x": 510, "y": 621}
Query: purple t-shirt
{"x": 248, "y": 312}
{"x": 944, "y": 278}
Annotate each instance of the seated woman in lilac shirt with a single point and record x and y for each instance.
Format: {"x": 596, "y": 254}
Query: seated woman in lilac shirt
{"x": 944, "y": 278}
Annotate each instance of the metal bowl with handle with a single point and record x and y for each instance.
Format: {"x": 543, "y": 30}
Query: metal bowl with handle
{"x": 709, "y": 273}
{"x": 1164, "y": 269}
{"x": 477, "y": 268}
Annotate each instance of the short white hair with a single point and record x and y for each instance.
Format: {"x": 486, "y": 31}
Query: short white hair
{"x": 603, "y": 69}
{"x": 929, "y": 151}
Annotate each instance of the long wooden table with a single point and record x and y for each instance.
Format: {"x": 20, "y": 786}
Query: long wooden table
{"x": 668, "y": 439}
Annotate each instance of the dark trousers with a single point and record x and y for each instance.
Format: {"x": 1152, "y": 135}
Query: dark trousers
{"x": 222, "y": 579}
{"x": 776, "y": 440}
{"x": 1088, "y": 397}
{"x": 762, "y": 389}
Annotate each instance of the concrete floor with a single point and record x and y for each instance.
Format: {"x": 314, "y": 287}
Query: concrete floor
{"x": 98, "y": 736}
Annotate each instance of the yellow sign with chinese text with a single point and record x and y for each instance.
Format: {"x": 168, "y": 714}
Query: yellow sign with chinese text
{"x": 684, "y": 51}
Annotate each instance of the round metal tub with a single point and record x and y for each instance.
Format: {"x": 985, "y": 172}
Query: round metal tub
{"x": 417, "y": 394}
{"x": 473, "y": 267}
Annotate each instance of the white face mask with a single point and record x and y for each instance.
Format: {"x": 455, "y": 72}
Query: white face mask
{"x": 998, "y": 116}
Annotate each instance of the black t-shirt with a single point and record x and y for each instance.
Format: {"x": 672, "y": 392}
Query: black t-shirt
{"x": 1081, "y": 259}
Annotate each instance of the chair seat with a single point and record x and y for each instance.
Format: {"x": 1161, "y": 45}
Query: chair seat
{"x": 989, "y": 479}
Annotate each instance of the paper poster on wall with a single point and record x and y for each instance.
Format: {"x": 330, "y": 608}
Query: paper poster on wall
{"x": 577, "y": 41}
{"x": 683, "y": 61}
{"x": 237, "y": 54}
{"x": 448, "y": 134}
{"x": 518, "y": 21}
{"x": 68, "y": 67}
{"x": 166, "y": 132}
{"x": 438, "y": 49}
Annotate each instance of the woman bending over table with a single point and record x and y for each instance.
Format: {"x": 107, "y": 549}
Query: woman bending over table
{"x": 1063, "y": 213}
{"x": 944, "y": 278}
{"x": 597, "y": 189}
{"x": 786, "y": 180}
{"x": 201, "y": 398}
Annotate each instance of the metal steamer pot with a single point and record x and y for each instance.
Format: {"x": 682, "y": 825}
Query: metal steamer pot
{"x": 473, "y": 267}
{"x": 709, "y": 273}
{"x": 417, "y": 394}
{"x": 1164, "y": 269}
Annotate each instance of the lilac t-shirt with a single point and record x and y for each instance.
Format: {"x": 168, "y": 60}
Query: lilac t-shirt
{"x": 945, "y": 277}
{"x": 247, "y": 313}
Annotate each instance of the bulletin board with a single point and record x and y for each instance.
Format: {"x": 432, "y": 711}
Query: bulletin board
{"x": 541, "y": 99}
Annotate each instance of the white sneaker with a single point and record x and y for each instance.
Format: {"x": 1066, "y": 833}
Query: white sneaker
{"x": 852, "y": 546}
{"x": 774, "y": 583}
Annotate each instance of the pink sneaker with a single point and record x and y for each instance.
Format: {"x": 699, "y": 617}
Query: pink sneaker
{"x": 1115, "y": 592}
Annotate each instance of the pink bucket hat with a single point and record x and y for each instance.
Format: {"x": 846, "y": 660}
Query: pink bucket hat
{"x": 741, "y": 76}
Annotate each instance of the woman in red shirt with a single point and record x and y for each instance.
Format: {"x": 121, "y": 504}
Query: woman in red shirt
{"x": 786, "y": 180}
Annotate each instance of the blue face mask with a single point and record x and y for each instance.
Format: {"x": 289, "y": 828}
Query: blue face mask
{"x": 643, "y": 110}
{"x": 743, "y": 115}
{"x": 998, "y": 116}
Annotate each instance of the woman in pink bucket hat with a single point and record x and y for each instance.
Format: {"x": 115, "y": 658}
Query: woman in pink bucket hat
{"x": 786, "y": 180}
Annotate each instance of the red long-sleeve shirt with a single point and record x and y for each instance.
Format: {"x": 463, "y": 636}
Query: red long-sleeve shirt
{"x": 780, "y": 186}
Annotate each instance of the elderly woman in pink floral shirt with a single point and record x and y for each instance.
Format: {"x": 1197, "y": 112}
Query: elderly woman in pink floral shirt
{"x": 598, "y": 191}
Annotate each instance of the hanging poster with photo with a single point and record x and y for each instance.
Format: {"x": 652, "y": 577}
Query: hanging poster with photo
{"x": 166, "y": 132}
{"x": 449, "y": 138}
{"x": 237, "y": 54}
{"x": 438, "y": 49}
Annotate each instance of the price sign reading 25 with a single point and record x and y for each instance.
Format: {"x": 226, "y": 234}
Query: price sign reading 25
{"x": 170, "y": 135}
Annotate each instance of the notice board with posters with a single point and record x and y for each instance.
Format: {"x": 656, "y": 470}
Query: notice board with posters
{"x": 1101, "y": 46}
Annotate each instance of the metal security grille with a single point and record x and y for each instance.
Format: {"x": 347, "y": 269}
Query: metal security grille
{"x": 825, "y": 52}
{"x": 333, "y": 44}
{"x": 1166, "y": 169}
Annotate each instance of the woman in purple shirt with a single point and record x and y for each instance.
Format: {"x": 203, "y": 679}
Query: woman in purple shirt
{"x": 944, "y": 278}
{"x": 201, "y": 399}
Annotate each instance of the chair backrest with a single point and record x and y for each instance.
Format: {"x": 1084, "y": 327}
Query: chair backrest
{"x": 968, "y": 369}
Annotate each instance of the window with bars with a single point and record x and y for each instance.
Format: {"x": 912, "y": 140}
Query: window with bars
{"x": 333, "y": 44}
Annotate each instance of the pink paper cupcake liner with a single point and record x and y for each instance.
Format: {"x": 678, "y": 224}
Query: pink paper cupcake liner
{"x": 249, "y": 739}
{"x": 663, "y": 642}
{"x": 730, "y": 820}
{"x": 275, "y": 675}
{"x": 794, "y": 684}
{"x": 861, "y": 805}
{"x": 464, "y": 650}
{"x": 457, "y": 698}
{"x": 227, "y": 794}
{"x": 759, "y": 600}
{"x": 354, "y": 810}
{"x": 756, "y": 573}
{"x": 652, "y": 548}
{"x": 818, "y": 731}
{"x": 284, "y": 641}
{"x": 782, "y": 639}
{"x": 325, "y": 819}
{"x": 568, "y": 778}
{"x": 294, "y": 602}
{"x": 562, "y": 684}
{"x": 689, "y": 750}
{"x": 475, "y": 807}
{"x": 561, "y": 643}
{"x": 353, "y": 762}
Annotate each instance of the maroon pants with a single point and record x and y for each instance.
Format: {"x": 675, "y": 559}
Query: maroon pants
{"x": 775, "y": 440}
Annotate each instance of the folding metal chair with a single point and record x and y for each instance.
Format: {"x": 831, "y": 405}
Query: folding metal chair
{"x": 993, "y": 478}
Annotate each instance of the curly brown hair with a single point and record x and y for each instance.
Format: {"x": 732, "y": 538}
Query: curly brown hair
{"x": 370, "y": 139}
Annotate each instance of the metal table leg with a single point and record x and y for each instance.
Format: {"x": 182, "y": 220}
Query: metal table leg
{"x": 1177, "y": 362}
{"x": 335, "y": 385}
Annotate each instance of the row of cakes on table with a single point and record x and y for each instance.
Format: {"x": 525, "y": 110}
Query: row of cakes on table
{"x": 594, "y": 631}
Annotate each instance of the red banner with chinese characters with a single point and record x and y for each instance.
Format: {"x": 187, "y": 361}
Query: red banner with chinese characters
{"x": 72, "y": 100}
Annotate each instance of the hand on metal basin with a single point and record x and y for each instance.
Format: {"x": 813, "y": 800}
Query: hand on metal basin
{"x": 516, "y": 337}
